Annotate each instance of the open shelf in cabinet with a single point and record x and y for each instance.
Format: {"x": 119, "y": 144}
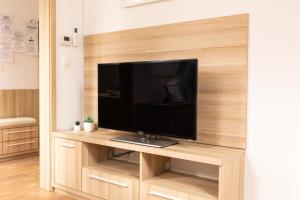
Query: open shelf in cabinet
{"x": 186, "y": 186}
{"x": 117, "y": 167}
{"x": 158, "y": 181}
{"x": 99, "y": 157}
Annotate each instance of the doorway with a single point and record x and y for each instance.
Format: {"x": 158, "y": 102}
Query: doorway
{"x": 19, "y": 79}
{"x": 44, "y": 106}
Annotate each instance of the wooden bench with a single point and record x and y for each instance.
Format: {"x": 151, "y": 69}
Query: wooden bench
{"x": 18, "y": 136}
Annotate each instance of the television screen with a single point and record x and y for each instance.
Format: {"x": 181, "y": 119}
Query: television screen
{"x": 157, "y": 98}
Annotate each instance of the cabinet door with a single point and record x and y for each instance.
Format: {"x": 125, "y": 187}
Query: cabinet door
{"x": 67, "y": 163}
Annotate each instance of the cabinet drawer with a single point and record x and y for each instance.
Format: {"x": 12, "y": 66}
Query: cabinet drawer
{"x": 107, "y": 186}
{"x": 160, "y": 193}
{"x": 20, "y": 145}
{"x": 67, "y": 163}
{"x": 35, "y": 131}
{"x": 20, "y": 133}
{"x": 153, "y": 192}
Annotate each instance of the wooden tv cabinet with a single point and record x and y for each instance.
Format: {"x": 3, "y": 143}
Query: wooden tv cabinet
{"x": 83, "y": 168}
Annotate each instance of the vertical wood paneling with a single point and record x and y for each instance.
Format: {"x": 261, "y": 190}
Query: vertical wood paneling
{"x": 221, "y": 47}
{"x": 19, "y": 103}
{"x": 10, "y": 107}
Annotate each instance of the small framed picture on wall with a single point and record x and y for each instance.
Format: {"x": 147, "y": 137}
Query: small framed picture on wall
{"x": 134, "y": 3}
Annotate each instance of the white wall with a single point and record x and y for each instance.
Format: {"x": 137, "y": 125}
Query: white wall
{"x": 273, "y": 164}
{"x": 23, "y": 72}
{"x": 69, "y": 80}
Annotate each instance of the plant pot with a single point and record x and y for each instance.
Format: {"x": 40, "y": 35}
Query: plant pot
{"x": 77, "y": 128}
{"x": 88, "y": 127}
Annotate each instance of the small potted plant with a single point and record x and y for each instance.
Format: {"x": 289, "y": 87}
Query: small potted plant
{"x": 88, "y": 124}
{"x": 77, "y": 126}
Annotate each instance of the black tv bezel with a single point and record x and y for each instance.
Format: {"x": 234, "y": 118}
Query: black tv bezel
{"x": 194, "y": 60}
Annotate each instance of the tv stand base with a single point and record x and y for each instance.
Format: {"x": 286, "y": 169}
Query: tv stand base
{"x": 152, "y": 142}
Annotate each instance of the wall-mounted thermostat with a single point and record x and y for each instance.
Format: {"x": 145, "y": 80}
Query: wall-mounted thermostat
{"x": 66, "y": 41}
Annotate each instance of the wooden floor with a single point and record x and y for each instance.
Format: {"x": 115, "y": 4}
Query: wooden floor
{"x": 19, "y": 180}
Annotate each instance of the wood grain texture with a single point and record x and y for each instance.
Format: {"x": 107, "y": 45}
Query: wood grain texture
{"x": 67, "y": 163}
{"x": 221, "y": 47}
{"x": 11, "y": 126}
{"x": 19, "y": 179}
{"x": 74, "y": 193}
{"x": 231, "y": 180}
{"x": 153, "y": 173}
{"x": 111, "y": 176}
{"x": 20, "y": 146}
{"x": 20, "y": 133}
{"x": 19, "y": 140}
{"x": 19, "y": 155}
{"x": 19, "y": 103}
{"x": 179, "y": 186}
{"x": 208, "y": 154}
{"x": 47, "y": 85}
{"x": 118, "y": 168}
{"x": 153, "y": 165}
{"x": 94, "y": 154}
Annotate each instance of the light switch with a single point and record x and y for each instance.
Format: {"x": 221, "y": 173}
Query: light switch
{"x": 66, "y": 62}
{"x": 2, "y": 67}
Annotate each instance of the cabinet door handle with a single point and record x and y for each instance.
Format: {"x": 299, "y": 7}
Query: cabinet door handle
{"x": 21, "y": 143}
{"x": 108, "y": 181}
{"x": 158, "y": 194}
{"x": 67, "y": 145}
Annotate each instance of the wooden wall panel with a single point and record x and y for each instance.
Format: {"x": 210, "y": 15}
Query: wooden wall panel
{"x": 221, "y": 47}
{"x": 19, "y": 103}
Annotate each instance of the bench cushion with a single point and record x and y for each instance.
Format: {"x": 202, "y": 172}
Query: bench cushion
{"x": 16, "y": 121}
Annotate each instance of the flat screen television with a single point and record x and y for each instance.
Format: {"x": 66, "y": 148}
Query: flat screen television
{"x": 155, "y": 98}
